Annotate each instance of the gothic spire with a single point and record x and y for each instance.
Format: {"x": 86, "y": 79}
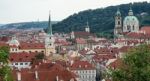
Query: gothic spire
{"x": 49, "y": 29}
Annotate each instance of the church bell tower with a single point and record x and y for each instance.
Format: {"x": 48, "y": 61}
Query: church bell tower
{"x": 118, "y": 24}
{"x": 49, "y": 40}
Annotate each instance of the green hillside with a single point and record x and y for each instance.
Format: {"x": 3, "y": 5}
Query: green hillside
{"x": 102, "y": 20}
{"x": 27, "y": 25}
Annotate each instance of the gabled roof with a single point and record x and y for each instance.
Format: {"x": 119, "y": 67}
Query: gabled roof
{"x": 46, "y": 72}
{"x": 82, "y": 65}
{"x": 82, "y": 34}
{"x": 81, "y": 41}
{"x": 22, "y": 57}
{"x": 31, "y": 46}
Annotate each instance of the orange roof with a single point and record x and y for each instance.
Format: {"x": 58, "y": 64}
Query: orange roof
{"x": 82, "y": 34}
{"x": 116, "y": 64}
{"x": 82, "y": 65}
{"x": 80, "y": 41}
{"x": 125, "y": 48}
{"x": 46, "y": 74}
{"x": 22, "y": 57}
{"x": 32, "y": 46}
{"x": 3, "y": 43}
{"x": 101, "y": 58}
{"x": 146, "y": 29}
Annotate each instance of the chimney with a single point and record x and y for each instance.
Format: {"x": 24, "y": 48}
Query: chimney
{"x": 71, "y": 62}
{"x": 18, "y": 76}
{"x": 36, "y": 75}
{"x": 57, "y": 78}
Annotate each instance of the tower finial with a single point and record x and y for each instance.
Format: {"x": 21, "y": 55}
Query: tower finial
{"x": 130, "y": 11}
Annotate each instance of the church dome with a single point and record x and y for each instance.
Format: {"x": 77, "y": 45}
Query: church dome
{"x": 130, "y": 23}
{"x": 14, "y": 42}
{"x": 131, "y": 20}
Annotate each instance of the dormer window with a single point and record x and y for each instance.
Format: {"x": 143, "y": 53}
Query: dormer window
{"x": 79, "y": 66}
{"x": 86, "y": 66}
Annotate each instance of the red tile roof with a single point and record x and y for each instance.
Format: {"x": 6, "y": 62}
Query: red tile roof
{"x": 46, "y": 72}
{"x": 32, "y": 46}
{"x": 82, "y": 65}
{"x": 104, "y": 57}
{"x": 3, "y": 43}
{"x": 138, "y": 35}
{"x": 146, "y": 29}
{"x": 81, "y": 41}
{"x": 22, "y": 57}
{"x": 125, "y": 48}
{"x": 116, "y": 64}
{"x": 81, "y": 34}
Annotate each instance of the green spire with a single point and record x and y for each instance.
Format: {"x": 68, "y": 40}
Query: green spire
{"x": 118, "y": 12}
{"x": 49, "y": 29}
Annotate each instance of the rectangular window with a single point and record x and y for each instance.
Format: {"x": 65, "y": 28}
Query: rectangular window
{"x": 26, "y": 63}
{"x": 16, "y": 63}
{"x": 21, "y": 63}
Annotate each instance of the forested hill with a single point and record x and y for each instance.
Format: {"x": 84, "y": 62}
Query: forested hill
{"x": 27, "y": 25}
{"x": 102, "y": 19}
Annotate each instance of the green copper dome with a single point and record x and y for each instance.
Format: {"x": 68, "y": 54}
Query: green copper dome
{"x": 131, "y": 20}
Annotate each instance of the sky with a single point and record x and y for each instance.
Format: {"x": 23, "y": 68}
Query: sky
{"x": 12, "y": 11}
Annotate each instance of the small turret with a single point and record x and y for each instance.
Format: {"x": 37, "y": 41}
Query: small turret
{"x": 87, "y": 28}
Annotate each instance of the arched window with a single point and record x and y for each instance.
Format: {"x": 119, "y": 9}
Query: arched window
{"x": 118, "y": 22}
{"x": 128, "y": 27}
{"x": 133, "y": 27}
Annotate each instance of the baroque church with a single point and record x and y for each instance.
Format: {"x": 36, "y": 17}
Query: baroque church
{"x": 129, "y": 24}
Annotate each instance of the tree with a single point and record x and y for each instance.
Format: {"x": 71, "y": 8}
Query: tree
{"x": 5, "y": 74}
{"x": 4, "y": 51}
{"x": 135, "y": 65}
{"x": 5, "y": 70}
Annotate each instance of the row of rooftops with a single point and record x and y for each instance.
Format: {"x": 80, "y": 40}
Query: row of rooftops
{"x": 44, "y": 72}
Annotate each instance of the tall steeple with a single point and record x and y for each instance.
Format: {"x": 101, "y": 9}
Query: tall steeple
{"x": 49, "y": 40}
{"x": 49, "y": 29}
